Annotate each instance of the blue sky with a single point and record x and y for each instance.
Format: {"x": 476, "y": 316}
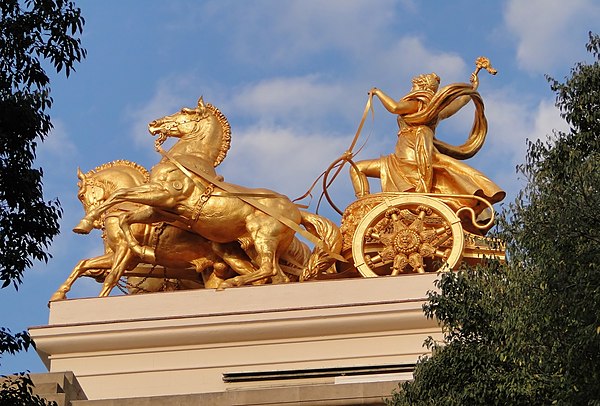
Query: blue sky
{"x": 292, "y": 77}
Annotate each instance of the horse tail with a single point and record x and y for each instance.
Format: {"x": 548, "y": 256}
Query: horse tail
{"x": 331, "y": 238}
{"x": 295, "y": 258}
{"x": 297, "y": 254}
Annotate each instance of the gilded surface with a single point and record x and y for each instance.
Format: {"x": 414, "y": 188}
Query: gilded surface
{"x": 420, "y": 162}
{"x": 407, "y": 233}
{"x": 182, "y": 226}
{"x": 253, "y": 230}
{"x": 404, "y": 238}
{"x": 173, "y": 247}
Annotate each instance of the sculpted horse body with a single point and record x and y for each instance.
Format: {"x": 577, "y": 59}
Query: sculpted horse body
{"x": 174, "y": 248}
{"x": 185, "y": 189}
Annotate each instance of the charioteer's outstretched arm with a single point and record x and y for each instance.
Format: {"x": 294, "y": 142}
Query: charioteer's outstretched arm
{"x": 393, "y": 106}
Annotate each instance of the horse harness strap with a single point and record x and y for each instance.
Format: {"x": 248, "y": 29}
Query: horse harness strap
{"x": 188, "y": 172}
{"x": 246, "y": 197}
{"x": 208, "y": 190}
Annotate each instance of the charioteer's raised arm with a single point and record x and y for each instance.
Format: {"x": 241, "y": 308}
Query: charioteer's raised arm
{"x": 480, "y": 63}
{"x": 459, "y": 102}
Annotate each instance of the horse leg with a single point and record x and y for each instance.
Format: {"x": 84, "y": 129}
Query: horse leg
{"x": 285, "y": 241}
{"x": 236, "y": 260}
{"x": 143, "y": 215}
{"x": 151, "y": 194}
{"x": 102, "y": 262}
{"x": 266, "y": 249}
{"x": 122, "y": 258}
{"x": 235, "y": 257}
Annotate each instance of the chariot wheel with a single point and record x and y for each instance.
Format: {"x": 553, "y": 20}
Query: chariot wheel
{"x": 407, "y": 234}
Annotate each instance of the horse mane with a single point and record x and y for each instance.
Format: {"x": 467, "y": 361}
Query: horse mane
{"x": 109, "y": 185}
{"x": 226, "y": 136}
{"x": 121, "y": 162}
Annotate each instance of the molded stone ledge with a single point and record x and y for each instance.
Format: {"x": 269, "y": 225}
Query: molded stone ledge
{"x": 186, "y": 342}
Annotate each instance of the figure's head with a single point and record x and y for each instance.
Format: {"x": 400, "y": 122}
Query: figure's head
{"x": 428, "y": 81}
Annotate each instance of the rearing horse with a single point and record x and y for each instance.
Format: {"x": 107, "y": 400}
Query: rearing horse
{"x": 184, "y": 189}
{"x": 175, "y": 248}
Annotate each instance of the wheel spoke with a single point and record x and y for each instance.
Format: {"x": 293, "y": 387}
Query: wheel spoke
{"x": 405, "y": 231}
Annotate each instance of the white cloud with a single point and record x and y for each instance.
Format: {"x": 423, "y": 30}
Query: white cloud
{"x": 547, "y": 119}
{"x": 316, "y": 98}
{"x": 164, "y": 102}
{"x": 58, "y": 156}
{"x": 167, "y": 99}
{"x": 511, "y": 123}
{"x": 320, "y": 24}
{"x": 283, "y": 32}
{"x": 279, "y": 158}
{"x": 58, "y": 144}
{"x": 295, "y": 99}
{"x": 409, "y": 57}
{"x": 547, "y": 30}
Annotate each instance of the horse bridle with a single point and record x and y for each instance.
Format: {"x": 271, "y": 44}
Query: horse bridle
{"x": 162, "y": 137}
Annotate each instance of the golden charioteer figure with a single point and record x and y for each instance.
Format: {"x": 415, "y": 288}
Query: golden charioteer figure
{"x": 421, "y": 163}
{"x": 183, "y": 225}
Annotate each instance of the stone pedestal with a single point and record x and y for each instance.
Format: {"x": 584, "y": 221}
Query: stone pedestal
{"x": 328, "y": 334}
{"x": 60, "y": 387}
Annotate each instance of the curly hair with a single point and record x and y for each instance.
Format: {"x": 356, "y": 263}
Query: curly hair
{"x": 428, "y": 81}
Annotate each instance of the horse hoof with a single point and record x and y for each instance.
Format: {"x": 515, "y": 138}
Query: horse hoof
{"x": 224, "y": 285}
{"x": 277, "y": 279}
{"x": 57, "y": 296}
{"x": 230, "y": 283}
{"x": 84, "y": 226}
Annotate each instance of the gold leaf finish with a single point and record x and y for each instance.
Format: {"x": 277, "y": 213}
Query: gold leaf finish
{"x": 181, "y": 225}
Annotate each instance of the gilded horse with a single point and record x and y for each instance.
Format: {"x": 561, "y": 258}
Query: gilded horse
{"x": 175, "y": 248}
{"x": 185, "y": 189}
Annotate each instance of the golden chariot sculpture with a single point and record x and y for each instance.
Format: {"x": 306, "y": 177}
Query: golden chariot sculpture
{"x": 181, "y": 226}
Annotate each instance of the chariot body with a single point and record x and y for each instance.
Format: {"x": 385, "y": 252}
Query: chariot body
{"x": 181, "y": 226}
{"x": 399, "y": 233}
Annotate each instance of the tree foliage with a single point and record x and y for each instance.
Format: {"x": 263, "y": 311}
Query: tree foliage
{"x": 33, "y": 33}
{"x": 528, "y": 332}
{"x": 43, "y": 30}
{"x": 17, "y": 389}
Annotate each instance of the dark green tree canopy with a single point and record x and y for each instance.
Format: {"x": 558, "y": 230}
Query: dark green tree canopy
{"x": 528, "y": 332}
{"x": 31, "y": 32}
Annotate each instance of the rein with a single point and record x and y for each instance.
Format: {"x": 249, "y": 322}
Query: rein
{"x": 174, "y": 124}
{"x": 341, "y": 160}
{"x": 247, "y": 198}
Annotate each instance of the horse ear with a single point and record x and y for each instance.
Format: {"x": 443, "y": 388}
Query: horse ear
{"x": 201, "y": 103}
{"x": 80, "y": 174}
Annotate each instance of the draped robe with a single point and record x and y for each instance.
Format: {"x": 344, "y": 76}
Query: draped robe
{"x": 418, "y": 152}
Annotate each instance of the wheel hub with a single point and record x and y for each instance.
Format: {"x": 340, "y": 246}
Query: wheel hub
{"x": 407, "y": 241}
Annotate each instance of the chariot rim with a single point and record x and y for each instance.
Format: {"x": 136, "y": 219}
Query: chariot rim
{"x": 407, "y": 242}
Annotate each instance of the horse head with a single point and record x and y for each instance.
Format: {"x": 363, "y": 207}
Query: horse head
{"x": 185, "y": 121}
{"x": 98, "y": 184}
{"x": 203, "y": 129}
{"x": 91, "y": 191}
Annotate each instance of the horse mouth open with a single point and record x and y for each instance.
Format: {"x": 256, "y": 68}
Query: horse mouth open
{"x": 154, "y": 130}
